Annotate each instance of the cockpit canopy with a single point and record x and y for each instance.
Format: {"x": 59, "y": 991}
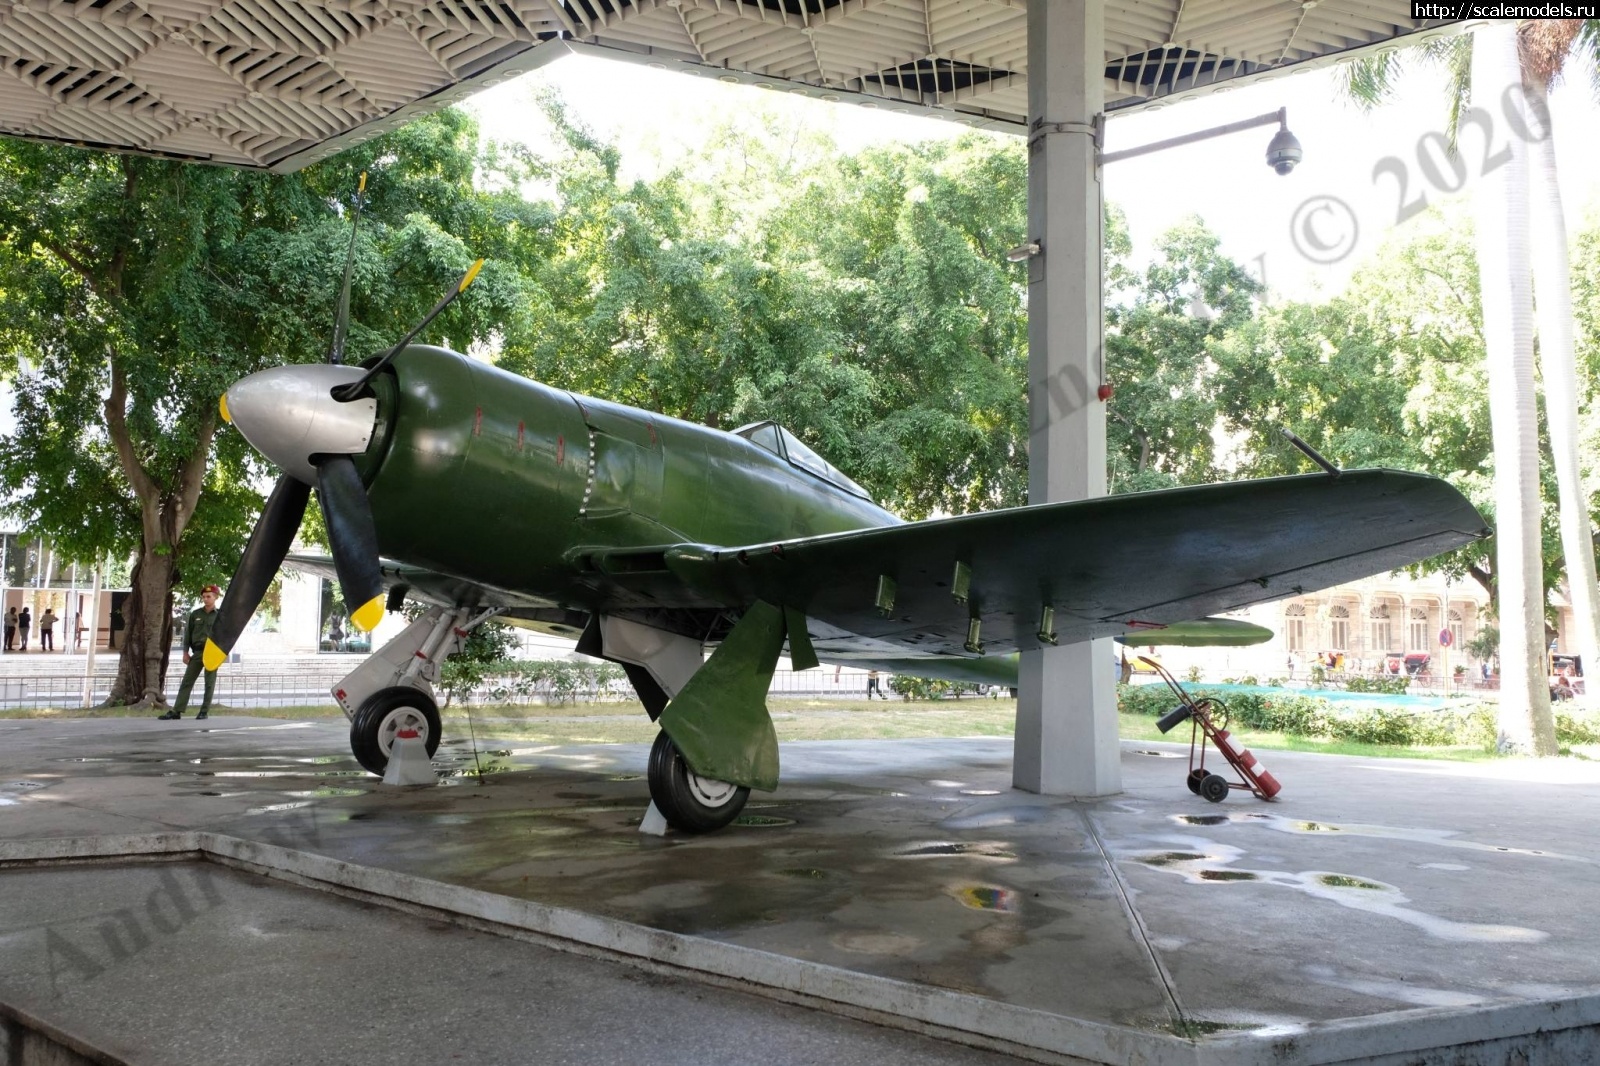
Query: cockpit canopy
{"x": 785, "y": 445}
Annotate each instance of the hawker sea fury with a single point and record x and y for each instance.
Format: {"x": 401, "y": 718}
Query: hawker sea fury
{"x": 483, "y": 494}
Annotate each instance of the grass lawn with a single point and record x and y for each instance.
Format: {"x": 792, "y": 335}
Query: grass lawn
{"x": 794, "y": 719}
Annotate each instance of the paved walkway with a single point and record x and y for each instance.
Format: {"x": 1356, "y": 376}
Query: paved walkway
{"x": 1375, "y": 894}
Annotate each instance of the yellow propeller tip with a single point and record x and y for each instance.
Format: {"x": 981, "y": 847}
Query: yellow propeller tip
{"x": 362, "y": 186}
{"x": 470, "y": 274}
{"x": 223, "y": 404}
{"x": 213, "y": 656}
{"x": 367, "y": 617}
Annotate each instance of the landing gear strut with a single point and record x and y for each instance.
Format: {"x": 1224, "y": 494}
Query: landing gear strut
{"x": 688, "y": 801}
{"x": 393, "y": 688}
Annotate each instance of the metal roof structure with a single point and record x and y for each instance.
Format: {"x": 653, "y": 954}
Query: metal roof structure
{"x": 277, "y": 84}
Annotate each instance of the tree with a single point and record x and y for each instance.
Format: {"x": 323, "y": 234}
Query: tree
{"x": 137, "y": 290}
{"x": 1538, "y": 49}
{"x": 1165, "y": 406}
{"x": 870, "y": 309}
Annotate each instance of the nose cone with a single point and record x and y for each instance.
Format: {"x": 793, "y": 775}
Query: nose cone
{"x": 288, "y": 414}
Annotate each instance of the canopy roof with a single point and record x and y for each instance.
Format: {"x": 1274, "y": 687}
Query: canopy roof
{"x": 277, "y": 84}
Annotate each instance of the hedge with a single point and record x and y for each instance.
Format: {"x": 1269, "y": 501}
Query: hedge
{"x": 1473, "y": 725}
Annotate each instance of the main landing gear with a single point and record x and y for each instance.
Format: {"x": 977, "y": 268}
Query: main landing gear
{"x": 686, "y": 800}
{"x": 393, "y": 689}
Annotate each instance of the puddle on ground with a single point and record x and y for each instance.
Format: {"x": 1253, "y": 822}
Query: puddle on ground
{"x": 980, "y": 792}
{"x": 985, "y": 897}
{"x": 979, "y": 849}
{"x": 876, "y": 943}
{"x": 272, "y": 807}
{"x": 625, "y": 777}
{"x": 329, "y": 791}
{"x": 1341, "y": 881}
{"x": 999, "y": 816}
{"x": 1158, "y": 754}
{"x": 762, "y": 821}
{"x": 1444, "y": 838}
{"x": 1347, "y": 890}
{"x": 1193, "y": 1027}
{"x": 1167, "y": 858}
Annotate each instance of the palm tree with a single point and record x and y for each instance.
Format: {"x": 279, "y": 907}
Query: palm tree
{"x": 1544, "y": 45}
{"x": 1526, "y": 722}
{"x": 1539, "y": 49}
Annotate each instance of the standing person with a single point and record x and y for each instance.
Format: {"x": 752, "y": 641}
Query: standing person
{"x": 24, "y": 623}
{"x": 196, "y": 631}
{"x": 11, "y": 629}
{"x": 47, "y": 630}
{"x": 872, "y": 684}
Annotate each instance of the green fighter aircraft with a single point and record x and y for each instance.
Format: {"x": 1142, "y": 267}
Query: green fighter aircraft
{"x": 482, "y": 494}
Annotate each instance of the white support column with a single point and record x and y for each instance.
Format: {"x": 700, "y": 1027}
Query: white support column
{"x": 1066, "y": 740}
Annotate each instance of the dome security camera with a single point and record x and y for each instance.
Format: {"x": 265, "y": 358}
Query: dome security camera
{"x": 1284, "y": 151}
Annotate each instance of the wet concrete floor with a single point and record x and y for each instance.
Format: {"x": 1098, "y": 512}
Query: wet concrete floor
{"x": 1371, "y": 887}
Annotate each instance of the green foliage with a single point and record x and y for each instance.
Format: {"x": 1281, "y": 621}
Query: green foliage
{"x": 485, "y": 647}
{"x": 1165, "y": 405}
{"x": 1392, "y": 684}
{"x": 1485, "y": 645}
{"x": 1310, "y": 716}
{"x": 923, "y": 689}
{"x": 155, "y": 285}
{"x": 551, "y": 681}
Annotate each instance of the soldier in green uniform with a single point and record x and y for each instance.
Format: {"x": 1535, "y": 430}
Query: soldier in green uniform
{"x": 202, "y": 620}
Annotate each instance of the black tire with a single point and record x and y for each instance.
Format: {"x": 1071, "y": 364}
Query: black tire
{"x": 687, "y": 801}
{"x": 377, "y": 720}
{"x": 1194, "y": 779}
{"x": 1214, "y": 787}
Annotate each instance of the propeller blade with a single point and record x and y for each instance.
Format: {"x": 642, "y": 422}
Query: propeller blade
{"x": 341, "y": 322}
{"x": 269, "y": 543}
{"x": 353, "y": 390}
{"x": 353, "y": 538}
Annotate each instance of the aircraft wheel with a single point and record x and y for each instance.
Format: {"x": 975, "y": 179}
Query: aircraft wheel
{"x": 1194, "y": 779}
{"x": 686, "y": 800}
{"x": 1214, "y": 787}
{"x": 385, "y": 713}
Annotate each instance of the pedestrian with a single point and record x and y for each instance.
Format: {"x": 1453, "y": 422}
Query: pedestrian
{"x": 196, "y": 634}
{"x": 24, "y": 623}
{"x": 47, "y": 630}
{"x": 872, "y": 684}
{"x": 11, "y": 629}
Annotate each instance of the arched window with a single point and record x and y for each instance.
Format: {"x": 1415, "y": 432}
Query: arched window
{"x": 1418, "y": 630}
{"x": 1457, "y": 628}
{"x": 1339, "y": 628}
{"x": 1380, "y": 634}
{"x": 1294, "y": 627}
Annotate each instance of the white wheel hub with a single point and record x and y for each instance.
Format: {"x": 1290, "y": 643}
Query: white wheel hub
{"x": 708, "y": 790}
{"x": 398, "y": 719}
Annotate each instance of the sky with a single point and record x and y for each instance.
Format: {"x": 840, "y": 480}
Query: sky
{"x": 658, "y": 117}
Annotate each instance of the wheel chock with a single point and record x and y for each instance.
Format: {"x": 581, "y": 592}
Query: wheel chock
{"x": 655, "y": 823}
{"x": 408, "y": 761}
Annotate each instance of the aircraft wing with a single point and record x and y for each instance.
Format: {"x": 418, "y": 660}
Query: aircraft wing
{"x": 1107, "y": 566}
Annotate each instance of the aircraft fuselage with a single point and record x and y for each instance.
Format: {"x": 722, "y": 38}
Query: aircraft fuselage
{"x": 484, "y": 475}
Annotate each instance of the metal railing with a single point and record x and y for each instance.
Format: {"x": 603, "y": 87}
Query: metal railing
{"x": 311, "y": 684}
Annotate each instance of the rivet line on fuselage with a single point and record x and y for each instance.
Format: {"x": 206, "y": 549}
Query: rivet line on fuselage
{"x": 588, "y": 485}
